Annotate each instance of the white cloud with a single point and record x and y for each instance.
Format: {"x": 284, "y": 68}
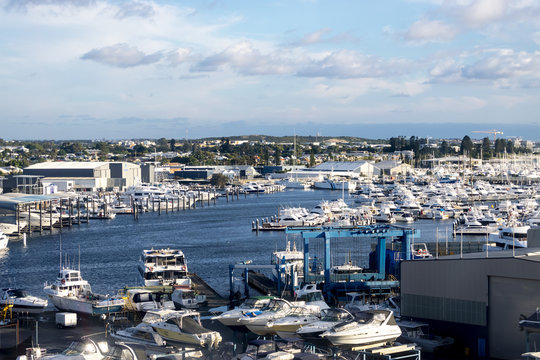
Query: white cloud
{"x": 121, "y": 55}
{"x": 505, "y": 64}
{"x": 482, "y": 12}
{"x": 245, "y": 59}
{"x": 536, "y": 38}
{"x": 352, "y": 64}
{"x": 430, "y": 31}
{"x": 460, "y": 104}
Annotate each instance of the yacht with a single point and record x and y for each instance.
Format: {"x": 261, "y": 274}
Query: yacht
{"x": 164, "y": 267}
{"x": 144, "y": 300}
{"x": 289, "y": 260}
{"x": 230, "y": 318}
{"x": 256, "y": 321}
{"x": 143, "y": 333}
{"x": 300, "y": 315}
{"x": 329, "y": 319}
{"x": 22, "y": 301}
{"x": 69, "y": 292}
{"x": 510, "y": 237}
{"x": 415, "y": 332}
{"x": 294, "y": 184}
{"x": 184, "y": 326}
{"x": 3, "y": 241}
{"x": 330, "y": 184}
{"x": 187, "y": 299}
{"x": 368, "y": 328}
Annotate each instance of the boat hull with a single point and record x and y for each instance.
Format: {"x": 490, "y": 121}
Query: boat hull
{"x": 363, "y": 339}
{"x": 84, "y": 306}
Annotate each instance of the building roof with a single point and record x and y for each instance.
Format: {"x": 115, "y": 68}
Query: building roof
{"x": 339, "y": 166}
{"x": 11, "y": 200}
{"x": 389, "y": 164}
{"x": 68, "y": 165}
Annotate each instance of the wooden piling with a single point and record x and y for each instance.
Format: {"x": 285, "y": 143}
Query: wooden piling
{"x": 41, "y": 217}
{"x": 29, "y": 221}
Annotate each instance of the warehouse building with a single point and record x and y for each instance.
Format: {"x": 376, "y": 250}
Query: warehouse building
{"x": 476, "y": 298}
{"x": 86, "y": 175}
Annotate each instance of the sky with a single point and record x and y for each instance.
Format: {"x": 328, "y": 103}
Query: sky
{"x": 107, "y": 69}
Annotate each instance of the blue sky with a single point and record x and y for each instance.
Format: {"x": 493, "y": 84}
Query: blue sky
{"x": 93, "y": 69}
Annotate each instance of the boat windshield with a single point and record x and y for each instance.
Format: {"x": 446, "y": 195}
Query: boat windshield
{"x": 309, "y": 297}
{"x": 336, "y": 315}
{"x": 276, "y": 305}
{"x": 255, "y": 303}
{"x": 18, "y": 293}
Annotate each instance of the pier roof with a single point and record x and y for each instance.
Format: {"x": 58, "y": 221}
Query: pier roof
{"x": 10, "y": 201}
{"x": 68, "y": 165}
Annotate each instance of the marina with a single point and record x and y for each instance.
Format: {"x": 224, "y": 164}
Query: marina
{"x": 110, "y": 255}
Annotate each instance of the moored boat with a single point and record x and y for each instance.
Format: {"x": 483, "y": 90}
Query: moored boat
{"x": 69, "y": 292}
{"x": 164, "y": 267}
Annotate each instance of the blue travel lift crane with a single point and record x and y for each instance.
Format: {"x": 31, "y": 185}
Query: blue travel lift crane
{"x": 370, "y": 282}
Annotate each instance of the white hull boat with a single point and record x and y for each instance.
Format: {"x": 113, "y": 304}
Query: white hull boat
{"x": 22, "y": 301}
{"x": 374, "y": 327}
{"x": 71, "y": 293}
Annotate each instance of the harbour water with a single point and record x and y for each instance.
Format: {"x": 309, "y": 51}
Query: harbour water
{"x": 212, "y": 237}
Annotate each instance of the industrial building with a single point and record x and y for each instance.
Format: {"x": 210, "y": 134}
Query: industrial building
{"x": 86, "y": 176}
{"x": 476, "y": 298}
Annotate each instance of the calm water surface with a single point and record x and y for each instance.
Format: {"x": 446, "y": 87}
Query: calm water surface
{"x": 211, "y": 238}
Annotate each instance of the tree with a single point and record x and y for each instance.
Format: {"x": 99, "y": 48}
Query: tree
{"x": 466, "y": 146}
{"x": 277, "y": 155}
{"x": 312, "y": 158}
{"x": 486, "y": 148}
{"x": 172, "y": 143}
{"x": 162, "y": 144}
{"x": 500, "y": 146}
{"x": 444, "y": 149}
{"x": 219, "y": 180}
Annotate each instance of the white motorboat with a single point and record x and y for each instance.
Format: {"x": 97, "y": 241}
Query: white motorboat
{"x": 256, "y": 321}
{"x": 69, "y": 292}
{"x": 294, "y": 184}
{"x": 510, "y": 237}
{"x": 329, "y": 319}
{"x": 184, "y": 326}
{"x": 144, "y": 300}
{"x": 310, "y": 295}
{"x": 230, "y": 318}
{"x": 299, "y": 316}
{"x": 3, "y": 241}
{"x": 143, "y": 333}
{"x": 22, "y": 301}
{"x": 417, "y": 333}
{"x": 187, "y": 299}
{"x": 289, "y": 261}
{"x": 164, "y": 267}
{"x": 420, "y": 251}
{"x": 403, "y": 216}
{"x": 331, "y": 184}
{"x": 368, "y": 328}
{"x": 344, "y": 271}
